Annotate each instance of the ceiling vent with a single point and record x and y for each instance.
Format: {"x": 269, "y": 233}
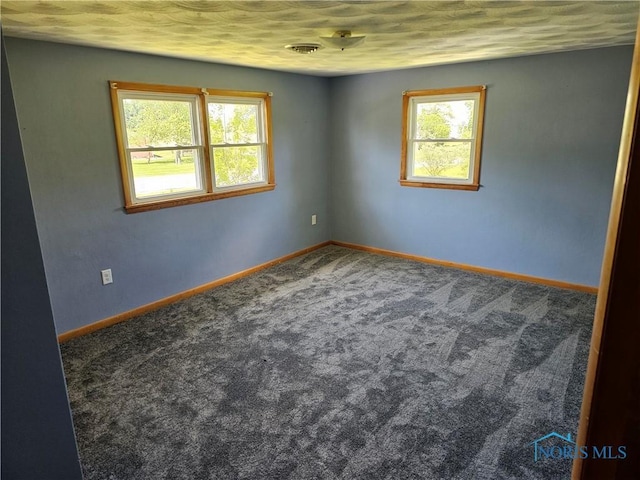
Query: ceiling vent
{"x": 304, "y": 48}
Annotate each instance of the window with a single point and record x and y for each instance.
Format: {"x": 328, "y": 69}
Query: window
{"x": 181, "y": 145}
{"x": 442, "y": 138}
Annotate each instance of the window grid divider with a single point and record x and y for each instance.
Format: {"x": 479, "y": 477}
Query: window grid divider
{"x": 203, "y": 148}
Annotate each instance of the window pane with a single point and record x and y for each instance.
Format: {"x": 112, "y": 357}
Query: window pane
{"x": 237, "y": 165}
{"x": 158, "y": 123}
{"x": 233, "y": 123}
{"x": 453, "y": 119}
{"x": 165, "y": 172}
{"x": 442, "y": 159}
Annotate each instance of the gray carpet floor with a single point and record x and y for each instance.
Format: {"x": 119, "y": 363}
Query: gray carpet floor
{"x": 338, "y": 364}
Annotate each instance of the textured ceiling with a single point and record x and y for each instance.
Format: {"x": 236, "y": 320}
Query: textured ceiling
{"x": 399, "y": 34}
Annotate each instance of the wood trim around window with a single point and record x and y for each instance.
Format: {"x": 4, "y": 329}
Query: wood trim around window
{"x": 198, "y": 198}
{"x": 210, "y": 194}
{"x": 450, "y": 186}
{"x": 271, "y": 173}
{"x": 208, "y": 171}
{"x": 122, "y": 155}
{"x": 430, "y": 183}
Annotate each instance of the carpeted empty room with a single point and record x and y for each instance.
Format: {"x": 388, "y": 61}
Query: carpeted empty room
{"x": 320, "y": 240}
{"x": 337, "y": 364}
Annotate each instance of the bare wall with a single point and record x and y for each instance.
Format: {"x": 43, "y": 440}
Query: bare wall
{"x": 552, "y": 131}
{"x": 62, "y": 100}
{"x": 37, "y": 434}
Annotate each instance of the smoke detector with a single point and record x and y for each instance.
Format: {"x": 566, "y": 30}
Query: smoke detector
{"x": 303, "y": 48}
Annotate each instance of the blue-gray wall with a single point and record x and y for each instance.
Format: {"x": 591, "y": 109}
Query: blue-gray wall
{"x": 552, "y": 131}
{"x": 37, "y": 435}
{"x": 64, "y": 111}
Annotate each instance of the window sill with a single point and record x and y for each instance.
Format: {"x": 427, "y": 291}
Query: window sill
{"x": 451, "y": 186}
{"x": 207, "y": 197}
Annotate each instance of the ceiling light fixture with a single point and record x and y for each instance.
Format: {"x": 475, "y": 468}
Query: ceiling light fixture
{"x": 342, "y": 39}
{"x": 304, "y": 48}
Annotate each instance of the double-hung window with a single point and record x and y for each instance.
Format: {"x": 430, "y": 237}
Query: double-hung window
{"x": 238, "y": 141}
{"x": 442, "y": 138}
{"x": 181, "y": 145}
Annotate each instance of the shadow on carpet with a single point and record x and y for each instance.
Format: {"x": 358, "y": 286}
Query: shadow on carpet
{"x": 338, "y": 364}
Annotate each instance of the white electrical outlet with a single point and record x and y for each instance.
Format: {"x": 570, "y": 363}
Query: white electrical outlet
{"x": 314, "y": 219}
{"x": 107, "y": 278}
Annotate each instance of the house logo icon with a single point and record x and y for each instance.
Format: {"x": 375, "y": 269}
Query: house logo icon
{"x": 562, "y": 447}
{"x": 540, "y": 448}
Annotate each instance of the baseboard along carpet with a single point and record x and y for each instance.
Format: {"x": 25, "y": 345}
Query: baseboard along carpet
{"x": 338, "y": 364}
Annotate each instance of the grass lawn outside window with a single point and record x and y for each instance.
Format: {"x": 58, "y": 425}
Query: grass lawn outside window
{"x": 180, "y": 145}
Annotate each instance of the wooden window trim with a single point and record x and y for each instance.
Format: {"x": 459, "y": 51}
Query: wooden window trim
{"x": 405, "y": 181}
{"x": 210, "y": 194}
{"x": 199, "y": 198}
